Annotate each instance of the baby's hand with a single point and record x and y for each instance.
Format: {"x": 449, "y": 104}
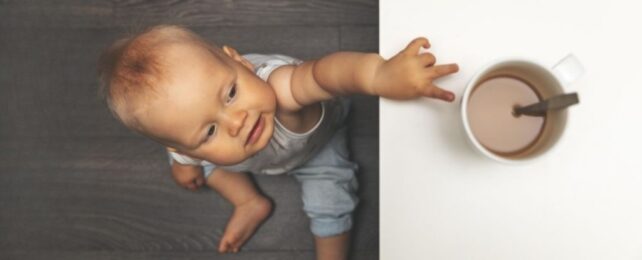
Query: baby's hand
{"x": 188, "y": 176}
{"x": 410, "y": 74}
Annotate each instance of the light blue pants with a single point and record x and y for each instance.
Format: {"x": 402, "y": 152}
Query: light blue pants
{"x": 329, "y": 187}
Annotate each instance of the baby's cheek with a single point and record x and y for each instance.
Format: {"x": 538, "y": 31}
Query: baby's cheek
{"x": 224, "y": 154}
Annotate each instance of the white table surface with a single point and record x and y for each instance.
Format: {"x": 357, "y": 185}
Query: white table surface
{"x": 441, "y": 200}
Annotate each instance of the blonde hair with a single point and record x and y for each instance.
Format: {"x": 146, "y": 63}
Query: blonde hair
{"x": 130, "y": 68}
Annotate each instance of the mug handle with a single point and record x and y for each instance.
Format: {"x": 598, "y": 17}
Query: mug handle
{"x": 568, "y": 69}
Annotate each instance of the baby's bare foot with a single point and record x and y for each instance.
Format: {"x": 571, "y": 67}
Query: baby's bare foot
{"x": 244, "y": 221}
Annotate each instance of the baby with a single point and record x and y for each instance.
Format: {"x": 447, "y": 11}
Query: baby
{"x": 221, "y": 114}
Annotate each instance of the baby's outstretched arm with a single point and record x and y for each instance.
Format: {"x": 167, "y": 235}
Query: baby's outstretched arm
{"x": 407, "y": 75}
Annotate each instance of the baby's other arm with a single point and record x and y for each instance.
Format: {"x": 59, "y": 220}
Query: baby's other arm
{"x": 187, "y": 176}
{"x": 407, "y": 75}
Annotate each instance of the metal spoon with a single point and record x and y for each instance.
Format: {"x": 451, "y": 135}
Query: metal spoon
{"x": 554, "y": 103}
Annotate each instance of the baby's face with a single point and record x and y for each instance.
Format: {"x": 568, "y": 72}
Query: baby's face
{"x": 212, "y": 108}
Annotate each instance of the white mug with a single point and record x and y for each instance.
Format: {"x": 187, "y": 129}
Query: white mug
{"x": 548, "y": 82}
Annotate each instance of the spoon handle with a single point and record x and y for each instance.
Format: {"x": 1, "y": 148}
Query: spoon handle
{"x": 554, "y": 103}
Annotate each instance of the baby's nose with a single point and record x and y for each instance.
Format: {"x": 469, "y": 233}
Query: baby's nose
{"x": 236, "y": 122}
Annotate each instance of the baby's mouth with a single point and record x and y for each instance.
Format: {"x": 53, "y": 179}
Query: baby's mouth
{"x": 256, "y": 131}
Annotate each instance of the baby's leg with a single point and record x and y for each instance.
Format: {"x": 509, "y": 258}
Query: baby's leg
{"x": 250, "y": 207}
{"x": 329, "y": 188}
{"x": 333, "y": 248}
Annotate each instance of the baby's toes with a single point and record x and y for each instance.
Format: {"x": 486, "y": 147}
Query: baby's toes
{"x": 224, "y": 247}
{"x": 236, "y": 245}
{"x": 230, "y": 243}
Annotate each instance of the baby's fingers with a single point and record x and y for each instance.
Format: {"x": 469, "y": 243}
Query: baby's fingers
{"x": 443, "y": 70}
{"x": 439, "y": 93}
{"x": 194, "y": 184}
{"x": 414, "y": 45}
{"x": 427, "y": 59}
{"x": 199, "y": 181}
{"x": 191, "y": 186}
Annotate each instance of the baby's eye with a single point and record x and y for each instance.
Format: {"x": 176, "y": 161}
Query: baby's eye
{"x": 231, "y": 94}
{"x": 211, "y": 131}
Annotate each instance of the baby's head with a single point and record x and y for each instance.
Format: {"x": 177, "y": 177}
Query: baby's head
{"x": 172, "y": 86}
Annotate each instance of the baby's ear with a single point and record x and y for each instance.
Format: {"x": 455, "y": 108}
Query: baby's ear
{"x": 232, "y": 53}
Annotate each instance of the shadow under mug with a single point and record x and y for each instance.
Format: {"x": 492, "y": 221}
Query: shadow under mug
{"x": 547, "y": 82}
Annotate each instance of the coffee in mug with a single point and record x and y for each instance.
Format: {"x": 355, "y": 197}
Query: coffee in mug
{"x": 490, "y": 99}
{"x": 491, "y": 117}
